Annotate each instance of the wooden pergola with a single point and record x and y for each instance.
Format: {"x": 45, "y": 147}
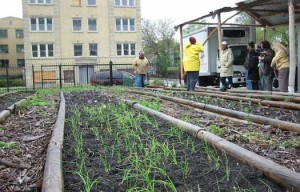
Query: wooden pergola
{"x": 269, "y": 14}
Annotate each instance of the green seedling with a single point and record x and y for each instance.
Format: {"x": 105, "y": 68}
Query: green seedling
{"x": 87, "y": 182}
{"x": 215, "y": 129}
{"x": 211, "y": 155}
{"x": 152, "y": 105}
{"x": 7, "y": 145}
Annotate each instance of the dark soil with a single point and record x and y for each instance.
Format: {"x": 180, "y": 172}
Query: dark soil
{"x": 282, "y": 147}
{"x": 9, "y": 99}
{"x": 22, "y": 166}
{"x": 203, "y": 174}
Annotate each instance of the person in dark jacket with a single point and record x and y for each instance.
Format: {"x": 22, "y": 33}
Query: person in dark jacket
{"x": 253, "y": 73}
{"x": 265, "y": 70}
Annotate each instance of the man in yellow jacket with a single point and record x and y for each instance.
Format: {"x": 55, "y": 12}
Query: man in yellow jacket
{"x": 140, "y": 65}
{"x": 281, "y": 63}
{"x": 191, "y": 62}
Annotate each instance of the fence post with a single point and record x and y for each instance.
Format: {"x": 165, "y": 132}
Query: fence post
{"x": 7, "y": 83}
{"x": 74, "y": 75}
{"x": 42, "y": 76}
{"x": 60, "y": 76}
{"x": 87, "y": 73}
{"x": 110, "y": 73}
{"x": 33, "y": 78}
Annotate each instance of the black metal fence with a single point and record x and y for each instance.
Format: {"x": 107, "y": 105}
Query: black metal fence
{"x": 65, "y": 75}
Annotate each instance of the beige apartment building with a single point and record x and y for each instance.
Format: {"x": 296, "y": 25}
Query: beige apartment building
{"x": 11, "y": 46}
{"x": 79, "y": 32}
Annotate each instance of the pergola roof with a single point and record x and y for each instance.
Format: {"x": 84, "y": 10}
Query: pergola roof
{"x": 269, "y": 13}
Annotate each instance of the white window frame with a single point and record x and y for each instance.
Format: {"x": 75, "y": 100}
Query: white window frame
{"x": 91, "y": 2}
{"x": 73, "y": 26}
{"x": 125, "y": 3}
{"x": 42, "y": 24}
{"x": 48, "y": 52}
{"x": 89, "y": 26}
{"x": 78, "y": 44}
{"x": 131, "y": 48}
{"x": 125, "y": 25}
{"x": 40, "y": 2}
{"x": 91, "y": 49}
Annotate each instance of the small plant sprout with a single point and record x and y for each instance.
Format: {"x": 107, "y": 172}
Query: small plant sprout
{"x": 87, "y": 182}
{"x": 7, "y": 145}
{"x": 215, "y": 129}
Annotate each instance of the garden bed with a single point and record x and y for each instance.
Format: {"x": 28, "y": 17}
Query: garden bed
{"x": 111, "y": 147}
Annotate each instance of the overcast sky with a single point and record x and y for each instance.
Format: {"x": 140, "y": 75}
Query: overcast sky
{"x": 177, "y": 10}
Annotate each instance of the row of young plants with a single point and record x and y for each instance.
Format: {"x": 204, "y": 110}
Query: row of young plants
{"x": 251, "y": 134}
{"x": 116, "y": 148}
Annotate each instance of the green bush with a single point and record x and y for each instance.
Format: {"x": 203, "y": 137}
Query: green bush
{"x": 12, "y": 83}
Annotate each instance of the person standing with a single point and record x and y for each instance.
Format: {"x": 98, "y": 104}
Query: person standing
{"x": 266, "y": 72}
{"x": 281, "y": 63}
{"x": 226, "y": 71}
{"x": 140, "y": 65}
{"x": 253, "y": 73}
{"x": 191, "y": 62}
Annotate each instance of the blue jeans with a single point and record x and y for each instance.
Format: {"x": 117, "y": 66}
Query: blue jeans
{"x": 248, "y": 82}
{"x": 140, "y": 80}
{"x": 192, "y": 78}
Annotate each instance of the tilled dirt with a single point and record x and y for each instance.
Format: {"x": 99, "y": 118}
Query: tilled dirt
{"x": 202, "y": 176}
{"x": 22, "y": 166}
{"x": 282, "y": 147}
{"x": 11, "y": 98}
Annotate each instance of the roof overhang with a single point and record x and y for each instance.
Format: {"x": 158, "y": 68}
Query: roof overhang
{"x": 269, "y": 13}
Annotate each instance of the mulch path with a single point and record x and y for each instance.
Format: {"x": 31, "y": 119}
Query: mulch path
{"x": 22, "y": 166}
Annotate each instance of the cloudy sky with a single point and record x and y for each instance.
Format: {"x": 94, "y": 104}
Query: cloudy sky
{"x": 176, "y": 10}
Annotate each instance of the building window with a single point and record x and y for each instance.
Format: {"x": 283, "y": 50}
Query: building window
{"x": 77, "y": 26}
{"x": 125, "y": 25}
{"x": 91, "y": 2}
{"x": 40, "y": 2}
{"x": 4, "y": 63}
{"x": 126, "y": 49}
{"x": 42, "y": 50}
{"x": 76, "y": 2}
{"x": 41, "y": 24}
{"x": 3, "y": 33}
{"x": 92, "y": 25}
{"x": 93, "y": 49}
{"x": 69, "y": 76}
{"x": 3, "y": 48}
{"x": 78, "y": 50}
{"x": 20, "y": 48}
{"x": 125, "y": 3}
{"x": 21, "y": 62}
{"x": 19, "y": 33}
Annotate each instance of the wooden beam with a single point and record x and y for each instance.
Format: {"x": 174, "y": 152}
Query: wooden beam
{"x": 234, "y": 24}
{"x": 292, "y": 47}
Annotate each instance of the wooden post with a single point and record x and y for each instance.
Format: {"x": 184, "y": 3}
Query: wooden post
{"x": 298, "y": 52}
{"x": 219, "y": 33}
{"x": 292, "y": 47}
{"x": 181, "y": 57}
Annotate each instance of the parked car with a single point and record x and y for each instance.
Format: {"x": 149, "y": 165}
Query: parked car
{"x": 118, "y": 78}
